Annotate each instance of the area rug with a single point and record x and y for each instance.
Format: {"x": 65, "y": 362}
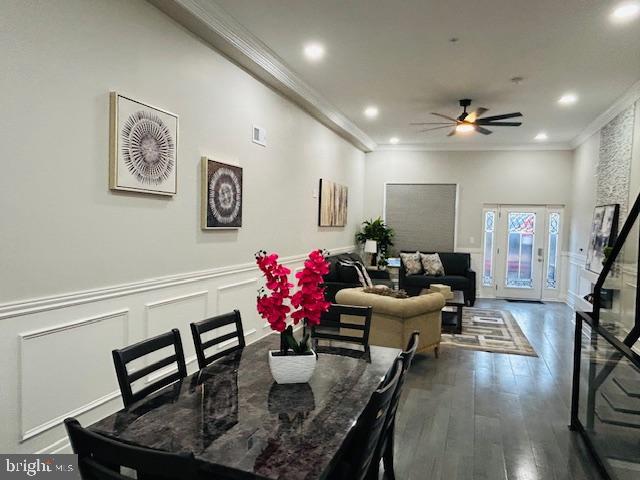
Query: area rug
{"x": 490, "y": 331}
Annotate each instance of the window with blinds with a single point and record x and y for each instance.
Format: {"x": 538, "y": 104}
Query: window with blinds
{"x": 423, "y": 216}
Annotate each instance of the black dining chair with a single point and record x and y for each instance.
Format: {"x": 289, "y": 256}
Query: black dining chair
{"x": 128, "y": 354}
{"x": 364, "y": 446}
{"x": 386, "y": 443}
{"x": 332, "y": 327}
{"x": 213, "y": 323}
{"x": 101, "y": 458}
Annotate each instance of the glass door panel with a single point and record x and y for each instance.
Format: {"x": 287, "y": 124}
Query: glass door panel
{"x": 520, "y": 258}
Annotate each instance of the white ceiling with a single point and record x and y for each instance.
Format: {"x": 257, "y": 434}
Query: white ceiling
{"x": 397, "y": 55}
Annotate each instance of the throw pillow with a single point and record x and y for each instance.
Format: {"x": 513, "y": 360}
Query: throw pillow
{"x": 432, "y": 264}
{"x": 361, "y": 271}
{"x": 412, "y": 263}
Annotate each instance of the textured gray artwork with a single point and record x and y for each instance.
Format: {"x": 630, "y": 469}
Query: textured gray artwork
{"x": 614, "y": 165}
{"x": 148, "y": 148}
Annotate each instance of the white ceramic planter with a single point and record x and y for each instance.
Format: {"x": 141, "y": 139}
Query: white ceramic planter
{"x": 291, "y": 368}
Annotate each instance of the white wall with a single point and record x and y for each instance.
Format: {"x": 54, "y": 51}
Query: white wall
{"x": 583, "y": 201}
{"x": 497, "y": 177}
{"x": 84, "y": 269}
{"x": 68, "y": 231}
{"x": 489, "y": 177}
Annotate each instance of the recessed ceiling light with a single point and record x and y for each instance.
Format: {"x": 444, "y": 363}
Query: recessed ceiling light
{"x": 314, "y": 51}
{"x": 541, "y": 137}
{"x": 371, "y": 111}
{"x": 464, "y": 128}
{"x": 394, "y": 140}
{"x": 568, "y": 99}
{"x": 625, "y": 12}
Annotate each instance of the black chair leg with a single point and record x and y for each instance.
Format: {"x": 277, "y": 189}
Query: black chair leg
{"x": 387, "y": 457}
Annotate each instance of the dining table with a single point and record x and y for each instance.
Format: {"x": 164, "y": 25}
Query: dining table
{"x": 240, "y": 424}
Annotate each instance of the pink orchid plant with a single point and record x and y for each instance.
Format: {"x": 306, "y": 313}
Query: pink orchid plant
{"x": 308, "y": 301}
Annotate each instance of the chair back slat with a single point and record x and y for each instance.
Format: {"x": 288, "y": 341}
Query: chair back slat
{"x": 370, "y": 426}
{"x": 198, "y": 328}
{"x": 123, "y": 356}
{"x": 331, "y": 326}
{"x": 100, "y": 458}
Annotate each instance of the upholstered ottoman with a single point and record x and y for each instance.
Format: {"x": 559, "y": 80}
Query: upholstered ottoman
{"x": 394, "y": 319}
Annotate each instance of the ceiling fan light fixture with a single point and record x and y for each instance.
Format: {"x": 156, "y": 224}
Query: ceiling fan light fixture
{"x": 541, "y": 137}
{"x": 568, "y": 99}
{"x": 371, "y": 111}
{"x": 464, "y": 128}
{"x": 625, "y": 12}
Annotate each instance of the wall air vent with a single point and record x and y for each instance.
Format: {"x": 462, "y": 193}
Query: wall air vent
{"x": 259, "y": 136}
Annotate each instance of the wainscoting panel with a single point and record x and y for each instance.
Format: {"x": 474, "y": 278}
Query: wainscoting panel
{"x": 65, "y": 369}
{"x": 177, "y": 312}
{"x": 57, "y": 350}
{"x": 242, "y": 296}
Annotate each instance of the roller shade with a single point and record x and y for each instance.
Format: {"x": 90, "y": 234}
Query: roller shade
{"x": 423, "y": 216}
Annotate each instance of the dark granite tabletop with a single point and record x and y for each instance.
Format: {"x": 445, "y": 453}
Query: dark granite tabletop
{"x": 235, "y": 418}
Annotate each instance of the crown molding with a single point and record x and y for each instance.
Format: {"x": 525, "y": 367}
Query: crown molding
{"x": 444, "y": 147}
{"x": 210, "y": 22}
{"x": 628, "y": 98}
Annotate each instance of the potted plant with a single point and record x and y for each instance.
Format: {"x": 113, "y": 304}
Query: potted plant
{"x": 383, "y": 235}
{"x": 295, "y": 361}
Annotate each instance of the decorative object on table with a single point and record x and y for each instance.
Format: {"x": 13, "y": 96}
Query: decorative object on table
{"x": 333, "y": 201}
{"x": 371, "y": 246}
{"x": 308, "y": 301}
{"x": 604, "y": 228}
{"x": 221, "y": 196}
{"x": 379, "y": 232}
{"x": 490, "y": 330}
{"x": 412, "y": 263}
{"x": 143, "y": 146}
{"x": 386, "y": 292}
{"x": 444, "y": 290}
{"x": 432, "y": 264}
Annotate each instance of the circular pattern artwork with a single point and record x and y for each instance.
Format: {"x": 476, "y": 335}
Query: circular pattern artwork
{"x": 225, "y": 196}
{"x": 148, "y": 149}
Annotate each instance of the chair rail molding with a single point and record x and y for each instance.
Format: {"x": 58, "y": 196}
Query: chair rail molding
{"x": 209, "y": 21}
{"x": 55, "y": 302}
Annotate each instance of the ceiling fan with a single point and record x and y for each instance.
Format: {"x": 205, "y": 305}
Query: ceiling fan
{"x": 470, "y": 121}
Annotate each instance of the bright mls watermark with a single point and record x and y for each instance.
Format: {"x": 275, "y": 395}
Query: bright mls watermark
{"x": 60, "y": 466}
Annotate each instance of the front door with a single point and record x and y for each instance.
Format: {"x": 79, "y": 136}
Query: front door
{"x": 519, "y": 253}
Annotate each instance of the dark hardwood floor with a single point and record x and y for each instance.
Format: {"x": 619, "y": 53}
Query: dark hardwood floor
{"x": 480, "y": 415}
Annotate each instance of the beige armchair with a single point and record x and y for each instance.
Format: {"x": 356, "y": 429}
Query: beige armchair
{"x": 394, "y": 319}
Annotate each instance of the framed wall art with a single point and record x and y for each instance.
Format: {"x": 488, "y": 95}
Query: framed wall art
{"x": 332, "y": 210}
{"x": 604, "y": 228}
{"x": 221, "y": 195}
{"x": 143, "y": 147}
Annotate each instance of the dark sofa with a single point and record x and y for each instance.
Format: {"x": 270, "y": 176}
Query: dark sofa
{"x": 457, "y": 274}
{"x": 340, "y": 277}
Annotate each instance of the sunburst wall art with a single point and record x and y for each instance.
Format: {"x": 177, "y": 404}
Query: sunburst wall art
{"x": 221, "y": 195}
{"x": 143, "y": 147}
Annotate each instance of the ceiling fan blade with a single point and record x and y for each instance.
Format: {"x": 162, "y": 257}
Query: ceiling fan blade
{"x": 473, "y": 116}
{"x": 435, "y": 128}
{"x": 482, "y": 130}
{"x": 431, "y": 123}
{"x": 444, "y": 116}
{"x": 451, "y": 133}
{"x": 501, "y": 124}
{"x": 500, "y": 117}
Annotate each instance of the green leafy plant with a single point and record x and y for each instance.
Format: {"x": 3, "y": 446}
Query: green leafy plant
{"x": 377, "y": 230}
